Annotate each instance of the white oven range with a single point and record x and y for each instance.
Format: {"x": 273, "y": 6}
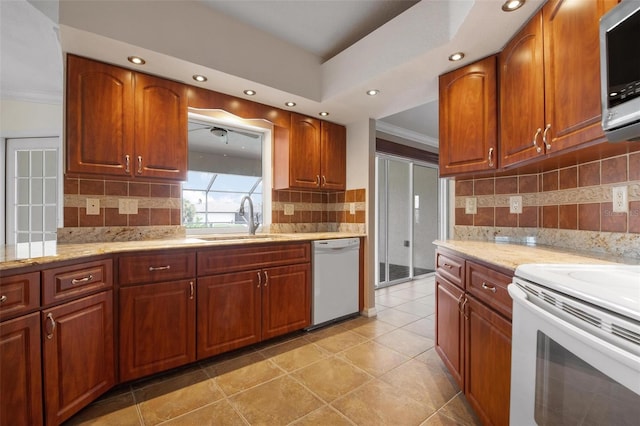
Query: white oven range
{"x": 575, "y": 345}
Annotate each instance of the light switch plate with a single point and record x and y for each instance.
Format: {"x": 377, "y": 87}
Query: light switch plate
{"x": 93, "y": 206}
{"x": 288, "y": 209}
{"x": 620, "y": 198}
{"x": 470, "y": 205}
{"x": 515, "y": 204}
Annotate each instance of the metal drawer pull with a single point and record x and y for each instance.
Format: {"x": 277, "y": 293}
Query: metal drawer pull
{"x": 259, "y": 279}
{"x": 544, "y": 137}
{"x": 324, "y": 180}
{"x": 535, "y": 140}
{"x": 491, "y": 288}
{"x": 159, "y": 268}
{"x": 460, "y": 300}
{"x": 3, "y": 299}
{"x": 490, "y": 157}
{"x": 82, "y": 280}
{"x": 446, "y": 265}
{"x": 127, "y": 163}
{"x": 463, "y": 305}
{"x": 317, "y": 180}
{"x": 53, "y": 325}
{"x": 139, "y": 164}
{"x": 191, "y": 290}
{"x": 266, "y": 279}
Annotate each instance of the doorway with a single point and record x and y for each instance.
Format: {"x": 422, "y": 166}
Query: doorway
{"x": 406, "y": 219}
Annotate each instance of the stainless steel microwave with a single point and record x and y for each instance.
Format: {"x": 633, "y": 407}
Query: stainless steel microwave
{"x": 620, "y": 71}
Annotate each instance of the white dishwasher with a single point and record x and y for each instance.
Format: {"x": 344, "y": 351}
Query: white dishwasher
{"x": 335, "y": 280}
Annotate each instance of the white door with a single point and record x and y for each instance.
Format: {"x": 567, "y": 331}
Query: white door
{"x": 34, "y": 191}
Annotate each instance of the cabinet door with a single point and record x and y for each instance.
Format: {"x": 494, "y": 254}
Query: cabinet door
{"x": 157, "y": 328}
{"x": 522, "y": 95}
{"x": 286, "y": 299}
{"x": 160, "y": 128}
{"x": 99, "y": 118}
{"x": 304, "y": 166}
{"x": 21, "y": 378}
{"x": 333, "y": 162}
{"x": 78, "y": 354}
{"x": 468, "y": 118}
{"x": 449, "y": 327}
{"x": 572, "y": 71}
{"x": 488, "y": 363}
{"x": 229, "y": 312}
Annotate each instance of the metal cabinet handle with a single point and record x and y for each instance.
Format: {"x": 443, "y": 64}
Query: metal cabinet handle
{"x": 317, "y": 180}
{"x": 53, "y": 325}
{"x": 446, "y": 265}
{"x": 544, "y": 137}
{"x": 266, "y": 278}
{"x": 191, "y": 290}
{"x": 535, "y": 140}
{"x": 491, "y": 157}
{"x": 459, "y": 301}
{"x": 82, "y": 280}
{"x": 259, "y": 279}
{"x": 464, "y": 313}
{"x": 490, "y": 288}
{"x": 139, "y": 164}
{"x": 159, "y": 268}
{"x": 127, "y": 164}
{"x": 3, "y": 299}
{"x": 324, "y": 180}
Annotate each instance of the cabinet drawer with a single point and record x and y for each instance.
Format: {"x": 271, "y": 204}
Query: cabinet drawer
{"x": 490, "y": 287}
{"x": 19, "y": 294}
{"x": 450, "y": 267}
{"x": 157, "y": 267}
{"x": 67, "y": 282}
{"x": 223, "y": 260}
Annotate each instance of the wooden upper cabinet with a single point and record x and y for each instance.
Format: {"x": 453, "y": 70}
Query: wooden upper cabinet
{"x": 468, "y": 118}
{"x": 521, "y": 68}
{"x": 124, "y": 123}
{"x": 99, "y": 117}
{"x": 313, "y": 157}
{"x": 572, "y": 71}
{"x": 160, "y": 128}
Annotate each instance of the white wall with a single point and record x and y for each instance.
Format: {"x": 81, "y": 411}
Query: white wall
{"x": 29, "y": 119}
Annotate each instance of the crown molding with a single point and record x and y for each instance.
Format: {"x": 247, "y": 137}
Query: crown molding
{"x": 401, "y": 132}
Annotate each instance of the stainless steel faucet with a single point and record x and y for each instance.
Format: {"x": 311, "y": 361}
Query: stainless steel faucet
{"x": 252, "y": 225}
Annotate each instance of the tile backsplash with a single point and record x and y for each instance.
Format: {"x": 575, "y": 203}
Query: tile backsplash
{"x": 576, "y": 198}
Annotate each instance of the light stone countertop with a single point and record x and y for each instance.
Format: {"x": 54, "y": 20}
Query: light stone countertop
{"x": 510, "y": 256}
{"x": 17, "y": 256}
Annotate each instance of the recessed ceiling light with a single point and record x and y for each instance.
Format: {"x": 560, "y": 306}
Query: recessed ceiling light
{"x": 249, "y": 92}
{"x": 373, "y": 92}
{"x": 290, "y": 104}
{"x": 323, "y": 113}
{"x": 200, "y": 78}
{"x": 511, "y": 5}
{"x": 136, "y": 60}
{"x": 456, "y": 56}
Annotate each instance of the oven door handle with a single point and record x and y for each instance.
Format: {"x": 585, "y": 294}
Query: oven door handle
{"x": 607, "y": 349}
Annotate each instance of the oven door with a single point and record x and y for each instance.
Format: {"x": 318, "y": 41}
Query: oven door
{"x": 563, "y": 374}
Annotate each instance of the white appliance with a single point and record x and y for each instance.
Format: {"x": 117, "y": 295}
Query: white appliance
{"x": 575, "y": 356}
{"x": 335, "y": 279}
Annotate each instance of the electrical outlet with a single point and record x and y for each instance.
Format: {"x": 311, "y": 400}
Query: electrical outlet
{"x": 470, "y": 205}
{"x": 288, "y": 209}
{"x": 352, "y": 208}
{"x": 515, "y": 204}
{"x": 93, "y": 206}
{"x": 620, "y": 199}
{"x": 127, "y": 206}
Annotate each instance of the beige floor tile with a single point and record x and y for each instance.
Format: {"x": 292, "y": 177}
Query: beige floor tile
{"x": 331, "y": 378}
{"x": 164, "y": 376}
{"x": 417, "y": 308}
{"x": 425, "y": 327}
{"x": 374, "y": 358}
{"x": 459, "y": 410}
{"x": 439, "y": 419}
{"x": 373, "y": 329}
{"x": 396, "y": 317}
{"x": 357, "y": 322}
{"x": 242, "y": 373}
{"x": 278, "y": 402}
{"x": 219, "y": 413}
{"x": 416, "y": 380}
{"x": 177, "y": 396}
{"x": 340, "y": 341}
{"x": 324, "y": 416}
{"x": 411, "y": 293}
{"x": 405, "y": 342}
{"x": 432, "y": 360}
{"x": 118, "y": 409}
{"x": 295, "y": 354}
{"x": 389, "y": 300}
{"x": 377, "y": 403}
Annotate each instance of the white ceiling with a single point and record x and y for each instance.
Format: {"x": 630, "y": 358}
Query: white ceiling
{"x": 322, "y": 54}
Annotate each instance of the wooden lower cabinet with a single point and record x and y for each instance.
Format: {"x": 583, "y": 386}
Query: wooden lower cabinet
{"x": 78, "y": 356}
{"x": 450, "y": 328}
{"x": 157, "y": 327}
{"x": 488, "y": 363}
{"x": 21, "y": 376}
{"x": 241, "y": 308}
